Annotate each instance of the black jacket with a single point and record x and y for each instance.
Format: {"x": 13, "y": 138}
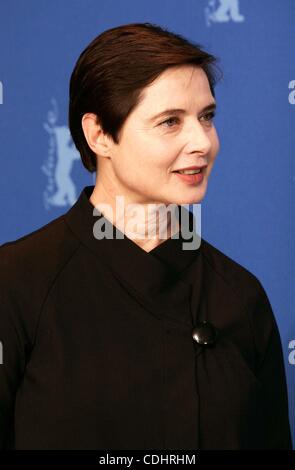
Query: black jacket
{"x": 98, "y": 351}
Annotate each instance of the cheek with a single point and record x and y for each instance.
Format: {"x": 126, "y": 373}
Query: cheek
{"x": 134, "y": 168}
{"x": 161, "y": 157}
{"x": 145, "y": 159}
{"x": 154, "y": 161}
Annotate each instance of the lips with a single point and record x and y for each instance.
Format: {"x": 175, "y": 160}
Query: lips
{"x": 190, "y": 168}
{"x": 190, "y": 179}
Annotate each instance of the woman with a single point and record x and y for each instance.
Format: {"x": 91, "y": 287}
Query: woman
{"x": 114, "y": 336}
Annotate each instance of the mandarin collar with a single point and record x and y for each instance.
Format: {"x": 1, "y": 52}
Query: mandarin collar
{"x": 149, "y": 273}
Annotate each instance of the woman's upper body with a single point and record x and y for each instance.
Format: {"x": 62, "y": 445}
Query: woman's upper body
{"x": 100, "y": 347}
{"x": 98, "y": 351}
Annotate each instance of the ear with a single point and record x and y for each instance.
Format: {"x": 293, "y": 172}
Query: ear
{"x": 99, "y": 143}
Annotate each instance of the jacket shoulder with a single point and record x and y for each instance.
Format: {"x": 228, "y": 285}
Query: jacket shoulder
{"x": 46, "y": 247}
{"x": 250, "y": 291}
{"x": 28, "y": 268}
{"x": 240, "y": 280}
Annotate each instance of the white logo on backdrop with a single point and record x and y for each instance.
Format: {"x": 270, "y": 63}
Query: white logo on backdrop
{"x": 222, "y": 11}
{"x": 1, "y": 93}
{"x": 60, "y": 190}
{"x": 291, "y": 96}
{"x": 291, "y": 357}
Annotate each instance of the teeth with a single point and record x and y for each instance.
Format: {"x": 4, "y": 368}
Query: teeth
{"x": 189, "y": 172}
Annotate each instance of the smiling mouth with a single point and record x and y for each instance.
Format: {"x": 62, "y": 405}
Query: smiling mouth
{"x": 191, "y": 170}
{"x": 195, "y": 171}
{"x": 188, "y": 172}
{"x": 192, "y": 178}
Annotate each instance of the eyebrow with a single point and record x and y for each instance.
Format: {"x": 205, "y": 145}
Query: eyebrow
{"x": 209, "y": 107}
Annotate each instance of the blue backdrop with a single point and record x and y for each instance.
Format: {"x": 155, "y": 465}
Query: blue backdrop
{"x": 248, "y": 212}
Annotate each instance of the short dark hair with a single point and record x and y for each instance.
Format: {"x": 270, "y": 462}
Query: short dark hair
{"x": 112, "y": 71}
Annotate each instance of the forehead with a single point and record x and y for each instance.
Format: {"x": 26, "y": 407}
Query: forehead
{"x": 178, "y": 83}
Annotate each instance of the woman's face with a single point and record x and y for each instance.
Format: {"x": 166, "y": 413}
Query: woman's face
{"x": 151, "y": 148}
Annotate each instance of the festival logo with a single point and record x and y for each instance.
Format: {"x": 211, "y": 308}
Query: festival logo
{"x": 291, "y": 356}
{"x": 291, "y": 97}
{"x": 223, "y": 11}
{"x": 60, "y": 189}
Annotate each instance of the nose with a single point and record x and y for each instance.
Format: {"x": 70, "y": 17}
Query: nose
{"x": 198, "y": 139}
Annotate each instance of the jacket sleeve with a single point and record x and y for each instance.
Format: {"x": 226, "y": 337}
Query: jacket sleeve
{"x": 12, "y": 353}
{"x": 270, "y": 372}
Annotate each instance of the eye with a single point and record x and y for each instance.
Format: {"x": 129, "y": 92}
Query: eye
{"x": 173, "y": 118}
{"x": 210, "y": 116}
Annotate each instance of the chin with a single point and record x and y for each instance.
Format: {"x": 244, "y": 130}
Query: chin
{"x": 194, "y": 196}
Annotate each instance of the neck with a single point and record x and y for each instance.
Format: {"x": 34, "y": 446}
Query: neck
{"x": 146, "y": 224}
